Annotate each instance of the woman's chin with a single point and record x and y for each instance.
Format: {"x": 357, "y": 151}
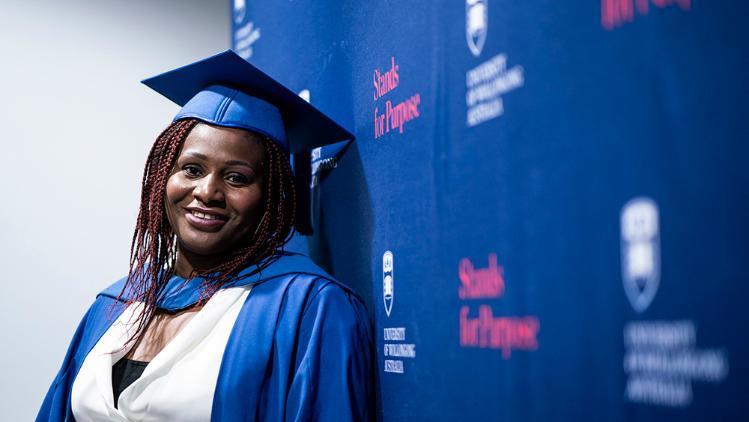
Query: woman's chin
{"x": 203, "y": 247}
{"x": 207, "y": 245}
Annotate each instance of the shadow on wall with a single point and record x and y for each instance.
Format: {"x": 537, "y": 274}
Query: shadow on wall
{"x": 346, "y": 220}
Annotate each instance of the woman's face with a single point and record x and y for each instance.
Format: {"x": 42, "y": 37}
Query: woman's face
{"x": 214, "y": 196}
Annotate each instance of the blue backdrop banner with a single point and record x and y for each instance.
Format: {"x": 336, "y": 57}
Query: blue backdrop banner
{"x": 546, "y": 203}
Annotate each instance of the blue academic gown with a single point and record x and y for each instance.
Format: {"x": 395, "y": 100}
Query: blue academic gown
{"x": 301, "y": 348}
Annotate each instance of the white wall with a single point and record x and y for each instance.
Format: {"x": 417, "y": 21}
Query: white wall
{"x": 76, "y": 128}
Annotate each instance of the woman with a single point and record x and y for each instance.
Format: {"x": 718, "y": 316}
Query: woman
{"x": 214, "y": 320}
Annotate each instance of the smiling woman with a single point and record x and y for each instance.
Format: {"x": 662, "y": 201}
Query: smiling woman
{"x": 215, "y": 321}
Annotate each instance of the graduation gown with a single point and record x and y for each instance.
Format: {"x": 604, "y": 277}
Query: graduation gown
{"x": 300, "y": 348}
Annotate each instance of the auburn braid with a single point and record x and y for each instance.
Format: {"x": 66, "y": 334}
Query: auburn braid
{"x": 153, "y": 250}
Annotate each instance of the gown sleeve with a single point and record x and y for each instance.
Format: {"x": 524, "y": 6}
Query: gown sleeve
{"x": 56, "y": 403}
{"x": 334, "y": 377}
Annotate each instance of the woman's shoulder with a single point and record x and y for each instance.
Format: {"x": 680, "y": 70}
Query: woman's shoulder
{"x": 312, "y": 290}
{"x": 113, "y": 290}
{"x": 301, "y": 273}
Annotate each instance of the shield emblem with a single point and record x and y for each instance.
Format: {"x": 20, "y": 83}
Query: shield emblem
{"x": 240, "y": 10}
{"x": 388, "y": 292}
{"x": 477, "y": 23}
{"x": 640, "y": 252}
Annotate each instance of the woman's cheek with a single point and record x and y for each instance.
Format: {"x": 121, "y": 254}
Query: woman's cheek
{"x": 249, "y": 204}
{"x": 174, "y": 193}
{"x": 176, "y": 188}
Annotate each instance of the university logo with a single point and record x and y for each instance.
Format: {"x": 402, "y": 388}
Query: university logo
{"x": 387, "y": 281}
{"x": 477, "y": 23}
{"x": 640, "y": 250}
{"x": 239, "y": 11}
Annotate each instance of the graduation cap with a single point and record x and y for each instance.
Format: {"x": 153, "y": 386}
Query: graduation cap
{"x": 226, "y": 90}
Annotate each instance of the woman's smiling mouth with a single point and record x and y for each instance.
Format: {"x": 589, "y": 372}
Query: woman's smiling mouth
{"x": 205, "y": 220}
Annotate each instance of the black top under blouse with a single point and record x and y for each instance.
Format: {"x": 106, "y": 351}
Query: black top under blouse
{"x": 124, "y": 373}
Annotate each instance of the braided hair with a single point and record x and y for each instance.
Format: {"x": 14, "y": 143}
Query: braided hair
{"x": 153, "y": 251}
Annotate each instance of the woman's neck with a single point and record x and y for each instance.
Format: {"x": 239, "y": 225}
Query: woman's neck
{"x": 187, "y": 263}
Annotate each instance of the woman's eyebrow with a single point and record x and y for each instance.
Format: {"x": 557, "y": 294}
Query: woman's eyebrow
{"x": 229, "y": 163}
{"x": 239, "y": 163}
{"x": 196, "y": 154}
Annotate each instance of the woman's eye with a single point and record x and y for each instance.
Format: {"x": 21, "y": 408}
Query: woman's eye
{"x": 191, "y": 170}
{"x": 238, "y": 179}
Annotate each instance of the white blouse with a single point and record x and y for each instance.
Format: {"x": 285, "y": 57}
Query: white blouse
{"x": 178, "y": 384}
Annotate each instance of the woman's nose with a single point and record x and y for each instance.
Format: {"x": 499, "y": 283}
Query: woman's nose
{"x": 209, "y": 189}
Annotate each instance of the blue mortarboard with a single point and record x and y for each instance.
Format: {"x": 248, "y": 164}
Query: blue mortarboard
{"x": 226, "y": 90}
